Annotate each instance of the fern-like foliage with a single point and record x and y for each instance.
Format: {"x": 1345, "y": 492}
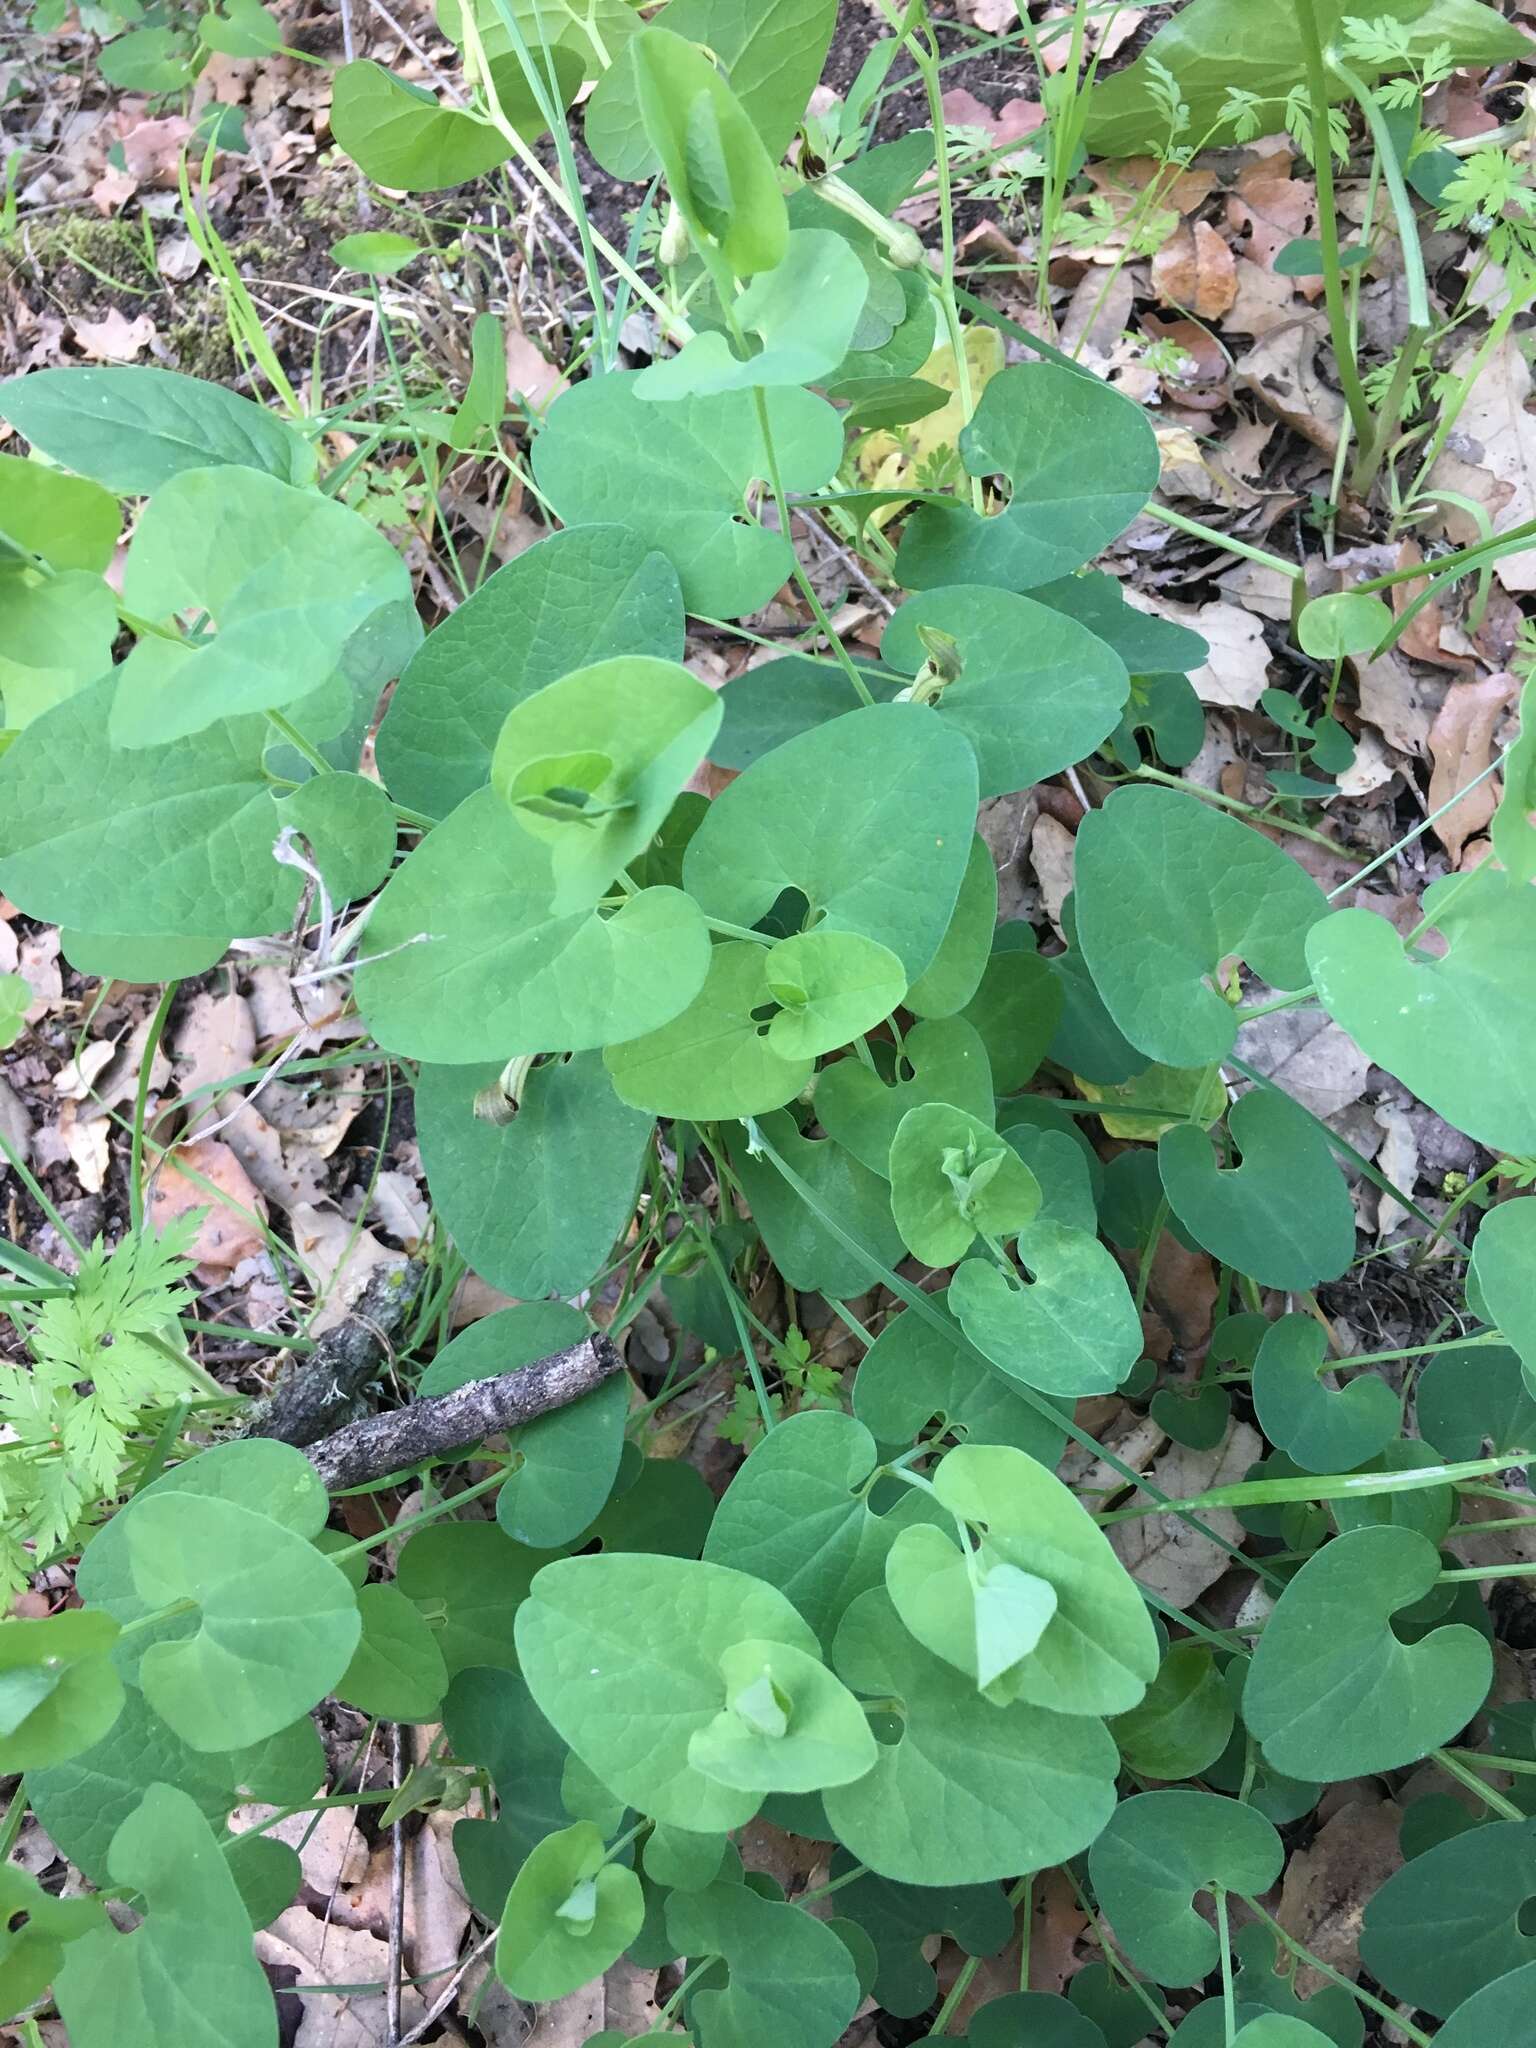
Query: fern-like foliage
{"x": 102, "y": 1357}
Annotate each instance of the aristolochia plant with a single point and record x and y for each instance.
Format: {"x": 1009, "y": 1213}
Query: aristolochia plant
{"x": 898, "y": 1632}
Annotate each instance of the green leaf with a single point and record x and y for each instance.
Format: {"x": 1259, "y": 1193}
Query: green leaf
{"x": 790, "y": 1978}
{"x": 682, "y": 1860}
{"x": 69, "y": 523}
{"x": 376, "y": 253}
{"x": 1451, "y": 1029}
{"x": 1283, "y": 1216}
{"x": 276, "y": 1623}
{"x": 1342, "y": 622}
{"x": 577, "y": 597}
{"x": 566, "y": 1460}
{"x": 569, "y": 1916}
{"x": 1464, "y": 1399}
{"x": 1017, "y": 1007}
{"x": 772, "y": 51}
{"x": 1082, "y": 460}
{"x": 104, "y": 957}
{"x": 870, "y": 818}
{"x": 1167, "y": 888}
{"x": 622, "y": 1653}
{"x": 804, "y": 311}
{"x": 590, "y": 765}
{"x": 535, "y": 1204}
{"x": 59, "y": 1694}
{"x": 976, "y": 1611}
{"x": 1185, "y": 1721}
{"x": 399, "y": 135}
{"x": 478, "y": 964}
{"x": 1086, "y": 1040}
{"x": 1323, "y": 1429}
{"x": 658, "y": 1504}
{"x": 1157, "y": 1852}
{"x": 913, "y": 1376}
{"x": 787, "y": 1724}
{"x": 187, "y": 1972}
{"x": 945, "y": 1062}
{"x": 833, "y": 986}
{"x": 1513, "y": 831}
{"x": 797, "y": 1516}
{"x": 768, "y": 705}
{"x": 286, "y": 578}
{"x": 1095, "y": 1650}
{"x": 1449, "y": 1923}
{"x": 954, "y": 976}
{"x": 953, "y": 1178}
{"x": 603, "y": 455}
{"x": 349, "y": 825}
{"x": 397, "y": 1670}
{"x": 57, "y": 634}
{"x": 267, "y": 1875}
{"x": 714, "y": 1058}
{"x": 1146, "y": 644}
{"x": 15, "y": 1001}
{"x": 35, "y": 1928}
{"x": 83, "y": 1802}
{"x": 1332, "y": 1692}
{"x": 1504, "y": 1274}
{"x": 243, "y": 29}
{"x": 151, "y": 60}
{"x": 898, "y": 1918}
{"x": 468, "y": 1578}
{"x": 1038, "y": 2017}
{"x": 1071, "y": 1328}
{"x": 1036, "y": 690}
{"x": 491, "y": 1720}
{"x": 717, "y": 170}
{"x": 1213, "y": 45}
{"x": 805, "y": 1252}
{"x": 968, "y": 1791}
{"x": 1496, "y": 2013}
{"x": 133, "y": 428}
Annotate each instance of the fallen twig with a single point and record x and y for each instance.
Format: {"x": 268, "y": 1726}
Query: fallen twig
{"x": 324, "y": 1391}
{"x": 381, "y": 1444}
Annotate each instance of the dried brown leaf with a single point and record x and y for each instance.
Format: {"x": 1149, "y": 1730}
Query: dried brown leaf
{"x": 225, "y": 1236}
{"x": 1167, "y": 1554}
{"x": 1461, "y": 747}
{"x": 1195, "y": 271}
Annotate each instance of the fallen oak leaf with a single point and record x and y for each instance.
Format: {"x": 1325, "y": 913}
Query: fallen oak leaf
{"x": 207, "y": 1175}
{"x": 1196, "y": 272}
{"x": 1461, "y": 748}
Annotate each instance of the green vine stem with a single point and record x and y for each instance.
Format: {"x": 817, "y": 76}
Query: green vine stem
{"x": 1328, "y": 221}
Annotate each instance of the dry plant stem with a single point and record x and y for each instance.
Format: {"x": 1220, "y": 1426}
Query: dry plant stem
{"x": 367, "y": 1450}
{"x": 396, "y": 1896}
{"x": 317, "y": 1397}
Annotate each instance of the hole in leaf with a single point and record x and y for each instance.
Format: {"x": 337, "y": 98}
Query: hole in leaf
{"x": 20, "y": 1919}
{"x": 1525, "y": 1919}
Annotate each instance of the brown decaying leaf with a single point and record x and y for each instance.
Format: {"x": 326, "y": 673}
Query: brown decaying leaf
{"x": 1166, "y": 1553}
{"x": 1271, "y": 205}
{"x": 1282, "y": 372}
{"x": 1497, "y": 434}
{"x": 1237, "y": 672}
{"x": 225, "y": 1236}
{"x": 1329, "y": 1884}
{"x": 1195, "y": 271}
{"x": 214, "y": 1040}
{"x": 114, "y": 338}
{"x": 1012, "y": 122}
{"x": 1461, "y": 747}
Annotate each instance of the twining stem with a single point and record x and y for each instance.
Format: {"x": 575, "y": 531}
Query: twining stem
{"x": 1494, "y": 1800}
{"x": 1328, "y": 222}
{"x": 1304, "y": 1955}
{"x": 1247, "y": 1493}
{"x": 743, "y": 1334}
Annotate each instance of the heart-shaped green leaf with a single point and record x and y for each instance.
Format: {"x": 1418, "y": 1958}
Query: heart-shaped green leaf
{"x": 35, "y": 1928}
{"x": 1504, "y": 1272}
{"x": 1323, "y": 1429}
{"x": 941, "y": 1060}
{"x": 952, "y": 1178}
{"x": 1168, "y": 888}
{"x": 968, "y": 1791}
{"x": 1157, "y": 1852}
{"x": 1095, "y": 1650}
{"x": 1284, "y": 1215}
{"x": 187, "y": 1972}
{"x": 397, "y": 1670}
{"x": 275, "y": 1625}
{"x": 1185, "y": 1721}
{"x": 714, "y": 1058}
{"x": 399, "y": 135}
{"x": 898, "y": 1919}
{"x": 787, "y": 1724}
{"x": 1453, "y": 1029}
{"x": 1082, "y": 461}
{"x": 832, "y": 986}
{"x": 285, "y": 577}
{"x": 719, "y": 174}
{"x": 577, "y": 597}
{"x": 1070, "y": 1328}
{"x": 59, "y": 1693}
{"x": 1036, "y": 691}
{"x": 1450, "y": 1922}
{"x": 471, "y": 960}
{"x": 569, "y": 1915}
{"x": 589, "y": 765}
{"x": 791, "y": 1979}
{"x": 954, "y": 975}
{"x": 467, "y": 1578}
{"x": 975, "y": 1610}
{"x": 913, "y": 1376}
{"x": 534, "y": 1204}
{"x": 622, "y": 1653}
{"x": 804, "y": 1250}
{"x": 1496, "y": 2013}
{"x": 804, "y": 312}
{"x": 1332, "y": 1692}
{"x": 602, "y": 456}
